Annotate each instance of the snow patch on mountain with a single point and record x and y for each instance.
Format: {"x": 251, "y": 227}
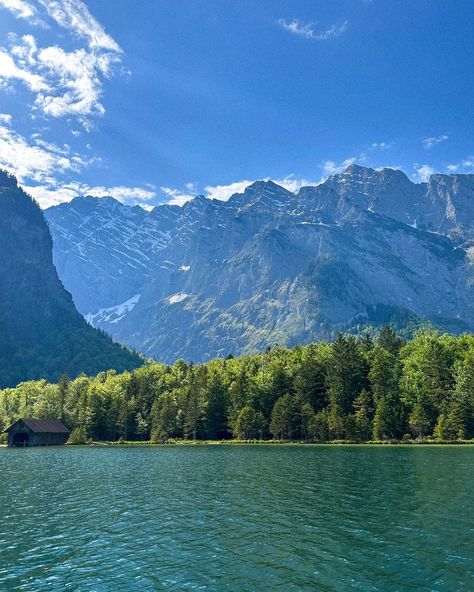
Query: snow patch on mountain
{"x": 113, "y": 314}
{"x": 177, "y": 297}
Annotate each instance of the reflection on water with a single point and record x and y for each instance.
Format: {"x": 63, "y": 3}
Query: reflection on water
{"x": 243, "y": 518}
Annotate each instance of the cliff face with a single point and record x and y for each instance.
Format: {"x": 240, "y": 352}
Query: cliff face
{"x": 41, "y": 332}
{"x": 269, "y": 266}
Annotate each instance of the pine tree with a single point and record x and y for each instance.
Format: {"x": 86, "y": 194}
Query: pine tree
{"x": 420, "y": 421}
{"x": 284, "y": 419}
{"x": 63, "y": 388}
{"x": 389, "y": 340}
{"x": 346, "y": 373}
{"x": 216, "y": 408}
{"x": 250, "y": 424}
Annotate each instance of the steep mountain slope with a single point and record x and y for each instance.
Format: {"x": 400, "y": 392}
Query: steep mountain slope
{"x": 271, "y": 266}
{"x": 41, "y": 332}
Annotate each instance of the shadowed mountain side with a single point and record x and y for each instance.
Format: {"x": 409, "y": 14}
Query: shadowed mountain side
{"x": 41, "y": 333}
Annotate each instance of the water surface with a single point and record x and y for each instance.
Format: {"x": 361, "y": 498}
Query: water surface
{"x": 243, "y": 518}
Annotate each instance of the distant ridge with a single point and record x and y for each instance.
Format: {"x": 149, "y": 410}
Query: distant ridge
{"x": 364, "y": 247}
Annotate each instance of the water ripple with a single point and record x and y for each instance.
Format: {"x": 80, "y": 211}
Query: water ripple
{"x": 237, "y": 518}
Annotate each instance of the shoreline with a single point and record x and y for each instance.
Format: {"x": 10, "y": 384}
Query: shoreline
{"x": 276, "y": 443}
{"x": 204, "y": 443}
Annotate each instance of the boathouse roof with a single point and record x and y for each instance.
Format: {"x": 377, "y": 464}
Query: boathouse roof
{"x": 42, "y": 426}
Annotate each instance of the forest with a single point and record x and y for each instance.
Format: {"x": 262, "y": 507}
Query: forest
{"x": 353, "y": 389}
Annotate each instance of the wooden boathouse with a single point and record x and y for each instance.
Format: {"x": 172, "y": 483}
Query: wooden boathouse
{"x": 37, "y": 432}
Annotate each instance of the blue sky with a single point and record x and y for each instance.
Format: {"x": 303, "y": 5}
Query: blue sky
{"x": 157, "y": 100}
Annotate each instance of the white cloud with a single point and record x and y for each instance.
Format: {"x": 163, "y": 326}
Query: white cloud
{"x": 177, "y": 197}
{"x": 468, "y": 163}
{"x": 330, "y": 167}
{"x": 77, "y": 74}
{"x": 424, "y": 172}
{"x": 292, "y": 184}
{"x": 65, "y": 78}
{"x": 55, "y": 193}
{"x": 63, "y": 82}
{"x": 428, "y": 143}
{"x": 75, "y": 16}
{"x": 36, "y": 160}
{"x": 381, "y": 146}
{"x": 466, "y": 166}
{"x": 127, "y": 195}
{"x": 9, "y": 70}
{"x": 307, "y": 31}
{"x": 223, "y": 192}
{"x": 5, "y": 118}
{"x": 19, "y": 8}
{"x": 37, "y": 164}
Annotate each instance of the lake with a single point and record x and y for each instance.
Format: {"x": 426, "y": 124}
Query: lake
{"x": 243, "y": 518}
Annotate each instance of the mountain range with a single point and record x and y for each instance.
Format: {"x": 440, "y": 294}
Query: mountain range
{"x": 42, "y": 335}
{"x": 269, "y": 266}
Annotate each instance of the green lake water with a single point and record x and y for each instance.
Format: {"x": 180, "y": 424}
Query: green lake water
{"x": 243, "y": 518}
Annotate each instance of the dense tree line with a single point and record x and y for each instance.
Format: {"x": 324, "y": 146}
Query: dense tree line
{"x": 353, "y": 389}
{"x": 72, "y": 347}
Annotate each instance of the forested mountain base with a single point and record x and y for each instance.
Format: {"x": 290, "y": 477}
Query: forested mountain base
{"x": 352, "y": 389}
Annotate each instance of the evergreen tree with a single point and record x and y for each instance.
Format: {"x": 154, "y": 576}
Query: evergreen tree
{"x": 389, "y": 340}
{"x": 63, "y": 387}
{"x": 284, "y": 419}
{"x": 363, "y": 406}
{"x": 310, "y": 379}
{"x": 216, "y": 408}
{"x": 420, "y": 421}
{"x": 250, "y": 424}
{"x": 384, "y": 376}
{"x": 345, "y": 376}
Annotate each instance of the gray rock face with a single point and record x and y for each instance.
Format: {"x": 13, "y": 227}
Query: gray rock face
{"x": 269, "y": 266}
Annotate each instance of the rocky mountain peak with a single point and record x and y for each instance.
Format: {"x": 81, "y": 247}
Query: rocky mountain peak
{"x": 270, "y": 266}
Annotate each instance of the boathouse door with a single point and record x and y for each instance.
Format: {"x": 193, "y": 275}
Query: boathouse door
{"x": 20, "y": 439}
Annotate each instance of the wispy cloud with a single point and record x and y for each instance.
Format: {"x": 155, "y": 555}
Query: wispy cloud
{"x": 55, "y": 194}
{"x": 465, "y": 166}
{"x": 74, "y": 16}
{"x": 428, "y": 143}
{"x": 64, "y": 82}
{"x": 39, "y": 166}
{"x": 127, "y": 195}
{"x": 35, "y": 160}
{"x": 19, "y": 8}
{"x": 308, "y": 31}
{"x": 177, "y": 197}
{"x": 9, "y": 70}
{"x": 224, "y": 192}
{"x": 330, "y": 167}
{"x": 381, "y": 146}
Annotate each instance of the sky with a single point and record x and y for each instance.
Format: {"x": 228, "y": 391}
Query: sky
{"x": 154, "y": 101}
